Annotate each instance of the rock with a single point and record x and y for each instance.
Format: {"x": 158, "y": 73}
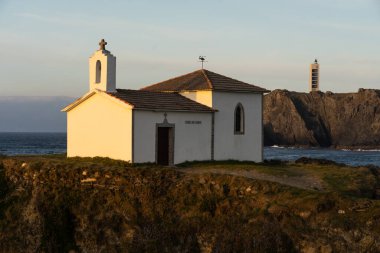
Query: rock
{"x": 275, "y": 209}
{"x": 307, "y": 160}
{"x": 326, "y": 249}
{"x": 305, "y": 214}
{"x": 254, "y": 192}
{"x": 309, "y": 249}
{"x": 88, "y": 180}
{"x": 319, "y": 119}
{"x": 23, "y": 165}
{"x": 367, "y": 241}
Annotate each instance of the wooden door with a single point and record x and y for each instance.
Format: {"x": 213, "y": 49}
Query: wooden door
{"x": 163, "y": 146}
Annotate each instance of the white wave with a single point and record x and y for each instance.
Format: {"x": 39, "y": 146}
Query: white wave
{"x": 276, "y": 146}
{"x": 360, "y": 150}
{"x": 367, "y": 150}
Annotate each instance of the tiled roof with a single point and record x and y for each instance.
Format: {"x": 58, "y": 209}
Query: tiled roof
{"x": 160, "y": 101}
{"x": 204, "y": 80}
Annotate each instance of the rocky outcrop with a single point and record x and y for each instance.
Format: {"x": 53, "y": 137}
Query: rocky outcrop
{"x": 349, "y": 120}
{"x": 47, "y": 205}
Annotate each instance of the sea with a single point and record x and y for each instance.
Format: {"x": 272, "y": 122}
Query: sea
{"x": 55, "y": 143}
{"x": 32, "y": 143}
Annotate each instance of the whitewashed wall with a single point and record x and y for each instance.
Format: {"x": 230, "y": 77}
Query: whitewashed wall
{"x": 191, "y": 142}
{"x": 100, "y": 126}
{"x": 238, "y": 147}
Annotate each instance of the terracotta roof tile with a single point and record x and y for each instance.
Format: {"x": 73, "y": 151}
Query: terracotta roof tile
{"x": 204, "y": 80}
{"x": 161, "y": 101}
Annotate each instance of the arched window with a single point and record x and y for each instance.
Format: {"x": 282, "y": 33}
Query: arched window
{"x": 239, "y": 119}
{"x": 98, "y": 72}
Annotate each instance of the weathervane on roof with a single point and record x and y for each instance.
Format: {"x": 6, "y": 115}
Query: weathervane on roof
{"x": 202, "y": 59}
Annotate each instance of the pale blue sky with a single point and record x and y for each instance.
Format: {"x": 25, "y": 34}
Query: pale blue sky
{"x": 45, "y": 44}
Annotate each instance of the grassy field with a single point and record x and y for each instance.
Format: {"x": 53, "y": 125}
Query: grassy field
{"x": 314, "y": 175}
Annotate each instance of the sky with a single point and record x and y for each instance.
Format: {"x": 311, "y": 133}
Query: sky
{"x": 45, "y": 44}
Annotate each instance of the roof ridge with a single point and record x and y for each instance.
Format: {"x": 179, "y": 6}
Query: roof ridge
{"x": 170, "y": 79}
{"x": 207, "y": 78}
{"x": 203, "y": 79}
{"x": 232, "y": 78}
{"x": 236, "y": 80}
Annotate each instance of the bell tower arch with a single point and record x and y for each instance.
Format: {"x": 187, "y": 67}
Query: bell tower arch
{"x": 102, "y": 69}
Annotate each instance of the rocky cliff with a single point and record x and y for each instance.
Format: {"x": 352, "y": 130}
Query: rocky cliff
{"x": 100, "y": 205}
{"x": 350, "y": 120}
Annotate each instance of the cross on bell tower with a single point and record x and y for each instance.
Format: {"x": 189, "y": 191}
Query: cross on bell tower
{"x": 102, "y": 44}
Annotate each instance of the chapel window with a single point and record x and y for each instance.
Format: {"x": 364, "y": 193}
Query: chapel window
{"x": 98, "y": 72}
{"x": 239, "y": 119}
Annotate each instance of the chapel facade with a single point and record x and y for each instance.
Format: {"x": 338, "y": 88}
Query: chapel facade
{"x": 198, "y": 116}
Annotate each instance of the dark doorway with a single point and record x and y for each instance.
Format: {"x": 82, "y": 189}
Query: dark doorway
{"x": 164, "y": 146}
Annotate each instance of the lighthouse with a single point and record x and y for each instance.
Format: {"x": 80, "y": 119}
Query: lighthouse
{"x": 314, "y": 76}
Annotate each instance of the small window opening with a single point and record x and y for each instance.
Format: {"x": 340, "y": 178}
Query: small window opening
{"x": 98, "y": 72}
{"x": 239, "y": 119}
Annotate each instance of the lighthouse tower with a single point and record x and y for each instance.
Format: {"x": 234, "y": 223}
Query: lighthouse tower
{"x": 314, "y": 76}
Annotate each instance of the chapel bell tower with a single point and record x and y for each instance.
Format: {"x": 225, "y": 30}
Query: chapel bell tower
{"x": 102, "y": 69}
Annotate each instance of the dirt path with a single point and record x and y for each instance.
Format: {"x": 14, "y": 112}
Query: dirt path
{"x": 305, "y": 181}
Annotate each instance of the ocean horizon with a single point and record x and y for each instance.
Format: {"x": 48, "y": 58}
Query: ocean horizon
{"x": 45, "y": 143}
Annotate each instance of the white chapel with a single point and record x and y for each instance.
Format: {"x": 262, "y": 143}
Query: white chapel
{"x": 194, "y": 117}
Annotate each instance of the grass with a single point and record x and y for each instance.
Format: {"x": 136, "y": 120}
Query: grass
{"x": 148, "y": 208}
{"x": 351, "y": 181}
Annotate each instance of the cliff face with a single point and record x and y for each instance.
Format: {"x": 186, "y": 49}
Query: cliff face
{"x": 322, "y": 119}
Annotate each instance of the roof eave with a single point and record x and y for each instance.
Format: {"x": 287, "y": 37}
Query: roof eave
{"x": 173, "y": 110}
{"x": 243, "y": 91}
{"x": 90, "y": 94}
{"x": 78, "y": 101}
